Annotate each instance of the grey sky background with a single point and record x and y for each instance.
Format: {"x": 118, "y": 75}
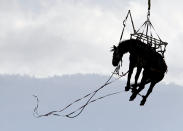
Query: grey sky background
{"x": 45, "y": 38}
{"x": 162, "y": 112}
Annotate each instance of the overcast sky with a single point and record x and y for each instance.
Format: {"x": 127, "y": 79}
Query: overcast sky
{"x": 54, "y": 37}
{"x": 162, "y": 111}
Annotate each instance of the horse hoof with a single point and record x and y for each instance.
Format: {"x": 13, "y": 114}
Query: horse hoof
{"x": 143, "y": 102}
{"x": 133, "y": 96}
{"x": 127, "y": 88}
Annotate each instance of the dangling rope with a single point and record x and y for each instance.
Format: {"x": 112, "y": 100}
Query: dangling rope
{"x": 89, "y": 101}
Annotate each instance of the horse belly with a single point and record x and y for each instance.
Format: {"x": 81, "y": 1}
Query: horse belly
{"x": 156, "y": 75}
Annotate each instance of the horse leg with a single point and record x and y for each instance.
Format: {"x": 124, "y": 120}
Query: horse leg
{"x": 139, "y": 69}
{"x": 131, "y": 67}
{"x": 141, "y": 86}
{"x": 148, "y": 93}
{"x": 138, "y": 84}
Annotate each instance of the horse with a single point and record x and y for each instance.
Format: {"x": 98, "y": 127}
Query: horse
{"x": 144, "y": 57}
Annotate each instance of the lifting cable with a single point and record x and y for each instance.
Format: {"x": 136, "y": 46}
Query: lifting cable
{"x": 149, "y": 8}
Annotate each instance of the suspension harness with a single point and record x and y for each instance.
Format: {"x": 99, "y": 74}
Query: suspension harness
{"x": 146, "y": 33}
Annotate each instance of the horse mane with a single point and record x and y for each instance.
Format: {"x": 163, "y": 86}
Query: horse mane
{"x": 139, "y": 44}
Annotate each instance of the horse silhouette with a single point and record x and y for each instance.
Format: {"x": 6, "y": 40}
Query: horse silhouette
{"x": 141, "y": 56}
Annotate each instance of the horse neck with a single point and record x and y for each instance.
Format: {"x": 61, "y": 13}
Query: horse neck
{"x": 125, "y": 47}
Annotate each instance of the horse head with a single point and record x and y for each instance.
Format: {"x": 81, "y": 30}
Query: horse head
{"x": 116, "y": 55}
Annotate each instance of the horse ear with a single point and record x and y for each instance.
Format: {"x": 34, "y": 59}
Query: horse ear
{"x": 113, "y": 48}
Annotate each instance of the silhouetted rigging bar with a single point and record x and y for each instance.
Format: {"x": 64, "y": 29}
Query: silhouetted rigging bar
{"x": 156, "y": 44}
{"x": 146, "y": 34}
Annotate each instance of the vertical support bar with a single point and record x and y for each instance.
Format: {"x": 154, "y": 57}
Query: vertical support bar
{"x": 132, "y": 23}
{"x": 149, "y": 5}
{"x": 149, "y": 8}
{"x": 124, "y": 25}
